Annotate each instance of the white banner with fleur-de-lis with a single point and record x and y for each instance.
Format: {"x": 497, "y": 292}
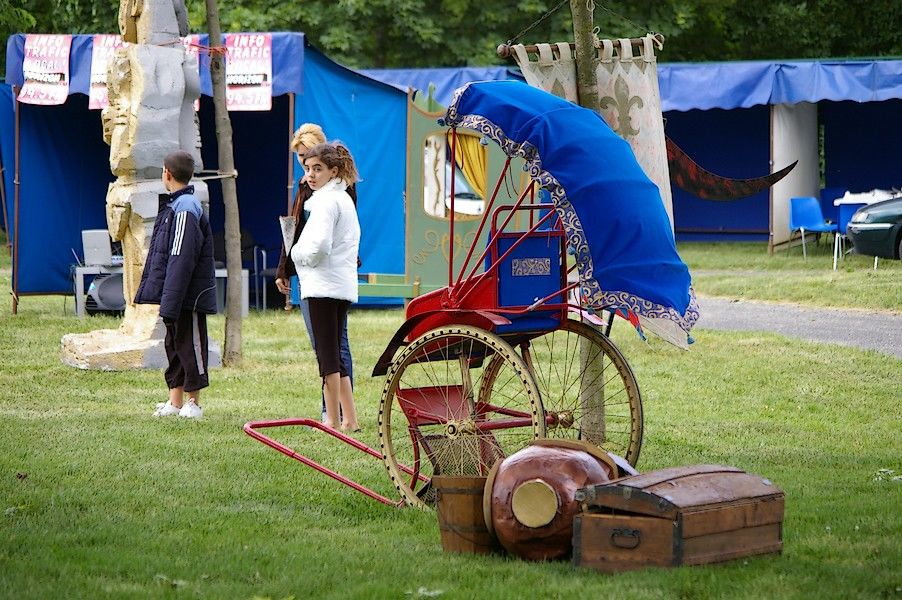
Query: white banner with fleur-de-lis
{"x": 628, "y": 95}
{"x": 554, "y": 74}
{"x": 630, "y": 102}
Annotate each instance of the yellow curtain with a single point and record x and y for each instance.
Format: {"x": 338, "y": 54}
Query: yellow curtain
{"x": 472, "y": 159}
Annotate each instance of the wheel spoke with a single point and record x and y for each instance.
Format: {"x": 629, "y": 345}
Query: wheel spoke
{"x": 452, "y": 388}
{"x": 455, "y": 398}
{"x": 587, "y": 389}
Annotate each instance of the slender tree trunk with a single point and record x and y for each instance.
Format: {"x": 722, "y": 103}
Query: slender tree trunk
{"x": 586, "y": 56}
{"x": 591, "y": 383}
{"x": 231, "y": 353}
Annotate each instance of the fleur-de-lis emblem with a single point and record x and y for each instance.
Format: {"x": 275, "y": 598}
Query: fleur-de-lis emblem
{"x": 558, "y": 89}
{"x": 622, "y": 103}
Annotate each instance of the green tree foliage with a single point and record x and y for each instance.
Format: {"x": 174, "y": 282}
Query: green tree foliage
{"x": 766, "y": 29}
{"x": 12, "y": 19}
{"x": 73, "y": 16}
{"x": 400, "y": 33}
{"x": 420, "y": 33}
{"x": 427, "y": 33}
{"x": 56, "y": 16}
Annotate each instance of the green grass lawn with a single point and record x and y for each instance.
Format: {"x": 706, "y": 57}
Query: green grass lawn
{"x": 746, "y": 271}
{"x": 101, "y": 500}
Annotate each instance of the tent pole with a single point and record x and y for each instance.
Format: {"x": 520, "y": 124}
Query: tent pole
{"x": 3, "y": 205}
{"x": 771, "y": 243}
{"x": 290, "y": 153}
{"x": 15, "y": 258}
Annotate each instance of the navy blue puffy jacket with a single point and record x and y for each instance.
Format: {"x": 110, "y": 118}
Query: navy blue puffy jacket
{"x": 179, "y": 272}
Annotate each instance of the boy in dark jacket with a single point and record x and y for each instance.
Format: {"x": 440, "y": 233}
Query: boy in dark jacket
{"x": 179, "y": 276}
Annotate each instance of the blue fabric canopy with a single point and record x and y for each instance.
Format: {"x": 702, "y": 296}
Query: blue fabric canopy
{"x": 744, "y": 84}
{"x": 612, "y": 212}
{"x": 726, "y": 85}
{"x": 287, "y": 63}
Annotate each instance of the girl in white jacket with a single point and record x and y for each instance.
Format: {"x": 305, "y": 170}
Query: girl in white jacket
{"x": 325, "y": 257}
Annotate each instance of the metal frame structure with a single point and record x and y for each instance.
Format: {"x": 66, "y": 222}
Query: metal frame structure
{"x": 463, "y": 423}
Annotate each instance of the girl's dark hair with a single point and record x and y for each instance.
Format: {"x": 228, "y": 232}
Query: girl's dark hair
{"x": 180, "y": 165}
{"x": 335, "y": 155}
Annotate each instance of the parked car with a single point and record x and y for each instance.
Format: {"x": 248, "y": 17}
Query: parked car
{"x": 876, "y": 229}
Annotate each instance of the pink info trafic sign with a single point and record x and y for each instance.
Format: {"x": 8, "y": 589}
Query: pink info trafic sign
{"x": 45, "y": 69}
{"x": 101, "y": 52}
{"x": 248, "y": 71}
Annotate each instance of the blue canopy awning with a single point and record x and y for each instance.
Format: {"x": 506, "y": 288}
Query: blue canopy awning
{"x": 744, "y": 84}
{"x": 725, "y": 85}
{"x": 287, "y": 63}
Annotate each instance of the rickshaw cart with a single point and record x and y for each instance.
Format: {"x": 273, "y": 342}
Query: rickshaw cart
{"x": 515, "y": 347}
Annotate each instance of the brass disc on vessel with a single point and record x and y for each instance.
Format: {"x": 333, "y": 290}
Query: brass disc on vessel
{"x": 535, "y": 503}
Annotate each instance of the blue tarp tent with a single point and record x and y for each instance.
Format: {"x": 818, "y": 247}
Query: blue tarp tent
{"x": 719, "y": 113}
{"x": 723, "y": 115}
{"x": 64, "y": 170}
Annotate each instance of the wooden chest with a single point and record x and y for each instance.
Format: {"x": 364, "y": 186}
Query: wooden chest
{"x": 679, "y": 516}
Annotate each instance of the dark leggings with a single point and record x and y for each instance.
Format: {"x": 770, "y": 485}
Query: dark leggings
{"x": 326, "y": 318}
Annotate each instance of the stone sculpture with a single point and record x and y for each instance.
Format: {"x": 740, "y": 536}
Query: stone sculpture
{"x": 148, "y": 22}
{"x": 153, "y": 85}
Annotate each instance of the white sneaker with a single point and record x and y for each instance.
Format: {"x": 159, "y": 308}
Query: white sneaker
{"x": 164, "y": 409}
{"x": 190, "y": 410}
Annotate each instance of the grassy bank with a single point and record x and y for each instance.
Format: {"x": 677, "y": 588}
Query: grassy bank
{"x": 101, "y": 500}
{"x": 746, "y": 271}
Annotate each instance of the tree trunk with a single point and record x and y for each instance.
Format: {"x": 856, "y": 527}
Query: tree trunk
{"x": 586, "y": 56}
{"x": 231, "y": 352}
{"x": 592, "y": 401}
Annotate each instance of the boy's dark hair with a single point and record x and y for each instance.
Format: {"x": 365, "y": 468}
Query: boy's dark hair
{"x": 180, "y": 165}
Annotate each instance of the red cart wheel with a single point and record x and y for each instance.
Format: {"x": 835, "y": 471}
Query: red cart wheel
{"x": 435, "y": 418}
{"x": 588, "y": 390}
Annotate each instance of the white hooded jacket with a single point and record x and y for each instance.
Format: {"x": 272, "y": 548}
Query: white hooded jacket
{"x": 325, "y": 254}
